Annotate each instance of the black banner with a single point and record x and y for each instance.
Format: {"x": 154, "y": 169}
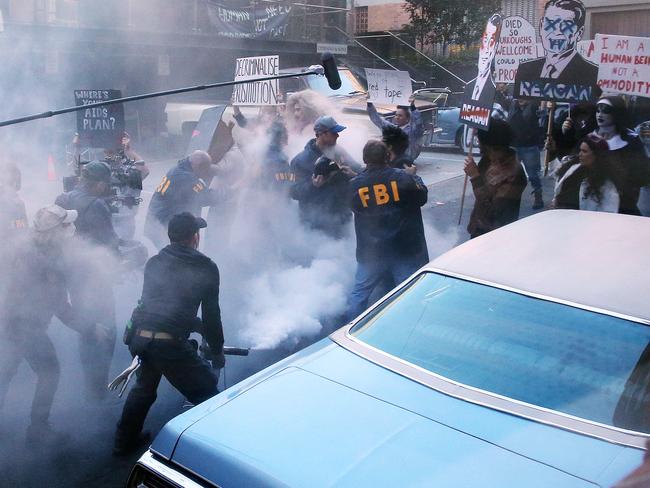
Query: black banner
{"x": 264, "y": 22}
{"x": 99, "y": 126}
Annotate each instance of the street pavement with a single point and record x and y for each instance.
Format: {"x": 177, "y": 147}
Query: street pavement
{"x": 85, "y": 459}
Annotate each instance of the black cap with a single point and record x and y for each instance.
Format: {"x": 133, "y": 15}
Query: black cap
{"x": 183, "y": 226}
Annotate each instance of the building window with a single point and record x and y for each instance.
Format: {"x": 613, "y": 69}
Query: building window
{"x": 361, "y": 19}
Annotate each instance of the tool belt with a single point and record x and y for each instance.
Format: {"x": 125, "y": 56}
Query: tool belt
{"x": 150, "y": 334}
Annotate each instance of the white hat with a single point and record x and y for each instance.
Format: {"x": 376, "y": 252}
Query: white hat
{"x": 49, "y": 217}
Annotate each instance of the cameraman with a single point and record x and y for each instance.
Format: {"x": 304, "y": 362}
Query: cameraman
{"x": 163, "y": 322}
{"x": 95, "y": 257}
{"x": 88, "y": 198}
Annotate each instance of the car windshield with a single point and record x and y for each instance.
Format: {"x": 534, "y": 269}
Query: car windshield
{"x": 570, "y": 360}
{"x": 349, "y": 84}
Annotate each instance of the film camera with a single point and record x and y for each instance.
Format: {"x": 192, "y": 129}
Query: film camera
{"x": 126, "y": 180}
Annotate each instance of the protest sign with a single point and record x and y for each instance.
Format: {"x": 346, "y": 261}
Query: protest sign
{"x": 516, "y": 44}
{"x": 99, "y": 126}
{"x": 624, "y": 64}
{"x": 259, "y": 92}
{"x": 587, "y": 49}
{"x": 211, "y": 134}
{"x": 269, "y": 21}
{"x": 388, "y": 87}
{"x": 560, "y": 74}
{"x": 479, "y": 94}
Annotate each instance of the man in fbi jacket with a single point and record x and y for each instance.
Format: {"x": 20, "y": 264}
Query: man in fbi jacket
{"x": 388, "y": 224}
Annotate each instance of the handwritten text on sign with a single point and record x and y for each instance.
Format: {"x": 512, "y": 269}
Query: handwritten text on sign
{"x": 516, "y": 44}
{"x": 388, "y": 86}
{"x": 99, "y": 126}
{"x": 624, "y": 64}
{"x": 259, "y": 92}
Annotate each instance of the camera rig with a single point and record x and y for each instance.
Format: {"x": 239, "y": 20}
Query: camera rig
{"x": 126, "y": 180}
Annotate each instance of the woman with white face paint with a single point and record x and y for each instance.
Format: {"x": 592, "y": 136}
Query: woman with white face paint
{"x": 626, "y": 149}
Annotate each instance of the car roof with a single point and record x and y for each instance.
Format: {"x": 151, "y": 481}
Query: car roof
{"x": 594, "y": 259}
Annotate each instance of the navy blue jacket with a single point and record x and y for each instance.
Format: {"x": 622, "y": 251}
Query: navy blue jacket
{"x": 387, "y": 217}
{"x": 325, "y": 207}
{"x": 177, "y": 281}
{"x": 179, "y": 191}
{"x": 95, "y": 220}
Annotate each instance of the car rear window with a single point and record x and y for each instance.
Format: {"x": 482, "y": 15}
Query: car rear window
{"x": 582, "y": 363}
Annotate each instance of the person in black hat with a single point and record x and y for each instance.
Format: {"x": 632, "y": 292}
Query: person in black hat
{"x": 177, "y": 281}
{"x": 498, "y": 180}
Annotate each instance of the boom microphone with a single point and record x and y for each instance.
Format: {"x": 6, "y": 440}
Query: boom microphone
{"x": 331, "y": 71}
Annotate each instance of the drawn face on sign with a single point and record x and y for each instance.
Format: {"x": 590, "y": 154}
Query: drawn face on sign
{"x": 489, "y": 43}
{"x": 560, "y": 30}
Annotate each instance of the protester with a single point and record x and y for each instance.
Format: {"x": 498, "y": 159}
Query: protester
{"x": 37, "y": 291}
{"x": 302, "y": 110}
{"x": 528, "y": 135}
{"x": 397, "y": 142}
{"x": 407, "y": 118}
{"x": 569, "y": 128}
{"x": 162, "y": 323}
{"x": 590, "y": 183}
{"x": 388, "y": 225}
{"x": 185, "y": 188}
{"x": 498, "y": 180}
{"x": 318, "y": 192}
{"x": 627, "y": 151}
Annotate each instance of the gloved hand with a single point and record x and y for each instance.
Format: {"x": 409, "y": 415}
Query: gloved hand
{"x": 218, "y": 360}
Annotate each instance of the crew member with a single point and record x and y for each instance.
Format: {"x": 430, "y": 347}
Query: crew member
{"x": 37, "y": 290}
{"x": 91, "y": 284}
{"x": 388, "y": 224}
{"x": 407, "y": 118}
{"x": 315, "y": 190}
{"x": 185, "y": 188}
{"x": 163, "y": 322}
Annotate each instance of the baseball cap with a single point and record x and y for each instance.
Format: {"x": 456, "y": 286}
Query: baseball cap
{"x": 327, "y": 123}
{"x": 183, "y": 226}
{"x": 52, "y": 216}
{"x": 97, "y": 171}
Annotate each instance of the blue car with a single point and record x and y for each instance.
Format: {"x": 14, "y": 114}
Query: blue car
{"x": 518, "y": 359}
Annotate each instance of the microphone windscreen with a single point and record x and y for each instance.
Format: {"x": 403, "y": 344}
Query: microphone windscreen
{"x": 331, "y": 71}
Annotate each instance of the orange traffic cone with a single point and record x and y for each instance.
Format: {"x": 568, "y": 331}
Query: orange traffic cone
{"x": 51, "y": 170}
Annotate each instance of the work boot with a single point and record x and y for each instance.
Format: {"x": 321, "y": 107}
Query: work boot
{"x": 538, "y": 203}
{"x": 43, "y": 435}
{"x": 123, "y": 448}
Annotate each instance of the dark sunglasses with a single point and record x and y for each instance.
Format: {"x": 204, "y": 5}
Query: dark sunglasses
{"x": 604, "y": 108}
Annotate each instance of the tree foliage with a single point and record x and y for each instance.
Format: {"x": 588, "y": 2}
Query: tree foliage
{"x": 450, "y": 21}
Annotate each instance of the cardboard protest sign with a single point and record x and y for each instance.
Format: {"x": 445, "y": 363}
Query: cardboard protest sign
{"x": 587, "y": 49}
{"x": 561, "y": 74}
{"x": 259, "y": 92}
{"x": 479, "y": 94}
{"x": 624, "y": 64}
{"x": 211, "y": 134}
{"x": 99, "y": 126}
{"x": 517, "y": 43}
{"x": 388, "y": 87}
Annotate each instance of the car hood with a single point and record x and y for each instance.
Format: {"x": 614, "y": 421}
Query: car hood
{"x": 298, "y": 428}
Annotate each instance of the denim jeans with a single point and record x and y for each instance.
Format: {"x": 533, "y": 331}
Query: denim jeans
{"x": 370, "y": 275}
{"x": 530, "y": 157}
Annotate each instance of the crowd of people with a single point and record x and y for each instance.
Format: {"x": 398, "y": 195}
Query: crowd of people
{"x": 600, "y": 165}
